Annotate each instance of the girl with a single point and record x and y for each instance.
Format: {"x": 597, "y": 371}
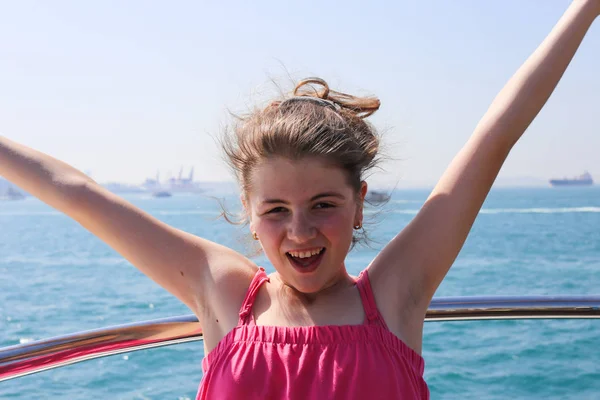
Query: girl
{"x": 310, "y": 330}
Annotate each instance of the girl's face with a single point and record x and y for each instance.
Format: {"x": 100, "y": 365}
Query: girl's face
{"x": 303, "y": 212}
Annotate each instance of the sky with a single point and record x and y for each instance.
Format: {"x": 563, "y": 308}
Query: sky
{"x": 122, "y": 90}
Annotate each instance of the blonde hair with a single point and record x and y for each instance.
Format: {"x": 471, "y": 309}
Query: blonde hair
{"x": 313, "y": 122}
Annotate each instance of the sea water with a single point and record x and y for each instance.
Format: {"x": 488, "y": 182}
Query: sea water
{"x": 56, "y": 278}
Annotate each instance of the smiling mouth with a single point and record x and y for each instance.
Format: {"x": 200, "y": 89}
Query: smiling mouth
{"x": 306, "y": 261}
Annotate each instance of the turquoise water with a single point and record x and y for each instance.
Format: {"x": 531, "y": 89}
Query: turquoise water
{"x": 55, "y": 278}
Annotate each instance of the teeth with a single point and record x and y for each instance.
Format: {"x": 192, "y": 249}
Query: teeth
{"x": 305, "y": 254}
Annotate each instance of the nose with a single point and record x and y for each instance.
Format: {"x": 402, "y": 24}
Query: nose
{"x": 301, "y": 229}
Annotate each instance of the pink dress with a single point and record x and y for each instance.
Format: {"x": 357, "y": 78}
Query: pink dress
{"x": 312, "y": 362}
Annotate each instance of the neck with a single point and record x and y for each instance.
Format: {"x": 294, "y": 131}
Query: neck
{"x": 339, "y": 282}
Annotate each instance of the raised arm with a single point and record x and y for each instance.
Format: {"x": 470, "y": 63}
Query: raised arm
{"x": 417, "y": 260}
{"x": 187, "y": 266}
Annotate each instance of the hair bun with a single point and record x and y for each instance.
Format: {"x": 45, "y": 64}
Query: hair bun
{"x": 362, "y": 107}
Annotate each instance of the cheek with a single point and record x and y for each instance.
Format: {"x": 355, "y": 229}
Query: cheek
{"x": 337, "y": 227}
{"x": 270, "y": 233}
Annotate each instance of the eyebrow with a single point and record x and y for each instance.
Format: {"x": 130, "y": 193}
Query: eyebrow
{"x": 316, "y": 197}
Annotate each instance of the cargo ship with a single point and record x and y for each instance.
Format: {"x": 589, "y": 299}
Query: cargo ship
{"x": 583, "y": 180}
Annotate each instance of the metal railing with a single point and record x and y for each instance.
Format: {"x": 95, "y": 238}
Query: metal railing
{"x": 42, "y": 355}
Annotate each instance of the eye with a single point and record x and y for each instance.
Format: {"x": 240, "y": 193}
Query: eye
{"x": 276, "y": 210}
{"x": 324, "y": 205}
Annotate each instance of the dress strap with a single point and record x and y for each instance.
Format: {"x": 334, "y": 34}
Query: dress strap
{"x": 246, "y": 310}
{"x": 368, "y": 300}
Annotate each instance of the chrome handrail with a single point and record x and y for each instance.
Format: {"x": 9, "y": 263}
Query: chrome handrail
{"x": 42, "y": 355}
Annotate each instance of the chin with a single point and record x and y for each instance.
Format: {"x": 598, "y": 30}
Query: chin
{"x": 310, "y": 283}
{"x": 308, "y": 288}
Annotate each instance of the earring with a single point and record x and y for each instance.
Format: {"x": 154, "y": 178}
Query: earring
{"x": 254, "y": 236}
{"x": 358, "y": 226}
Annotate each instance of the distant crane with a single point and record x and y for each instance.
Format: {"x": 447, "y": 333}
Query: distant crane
{"x": 172, "y": 184}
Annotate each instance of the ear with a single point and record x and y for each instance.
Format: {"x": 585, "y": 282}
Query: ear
{"x": 361, "y": 202}
{"x": 247, "y": 210}
{"x": 244, "y": 202}
{"x": 363, "y": 191}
